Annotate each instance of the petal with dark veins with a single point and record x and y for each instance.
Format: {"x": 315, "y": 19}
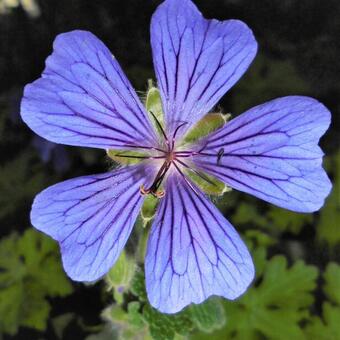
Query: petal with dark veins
{"x": 83, "y": 98}
{"x": 196, "y": 60}
{"x": 271, "y": 151}
{"x": 193, "y": 252}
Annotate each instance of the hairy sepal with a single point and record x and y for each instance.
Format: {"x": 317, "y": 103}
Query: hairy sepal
{"x": 208, "y": 184}
{"x": 210, "y": 123}
{"x": 126, "y": 157}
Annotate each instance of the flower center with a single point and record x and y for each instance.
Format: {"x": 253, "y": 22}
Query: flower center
{"x": 169, "y": 156}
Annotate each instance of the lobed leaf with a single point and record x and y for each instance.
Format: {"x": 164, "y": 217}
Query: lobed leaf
{"x": 328, "y": 227}
{"x": 30, "y": 271}
{"x": 275, "y": 306}
{"x": 326, "y": 328}
{"x": 208, "y": 316}
{"x": 332, "y": 282}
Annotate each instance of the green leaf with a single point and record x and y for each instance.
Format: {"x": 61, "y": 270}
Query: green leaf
{"x": 128, "y": 325}
{"x": 30, "y": 271}
{"x": 326, "y": 328}
{"x": 288, "y": 287}
{"x": 274, "y": 219}
{"x": 258, "y": 238}
{"x": 135, "y": 318}
{"x": 258, "y": 242}
{"x": 275, "y": 305}
{"x": 328, "y": 227}
{"x": 165, "y": 326}
{"x": 332, "y": 282}
{"x": 20, "y": 180}
{"x": 106, "y": 334}
{"x": 42, "y": 261}
{"x": 208, "y": 316}
{"x": 115, "y": 314}
{"x": 248, "y": 214}
{"x": 10, "y": 308}
{"x": 60, "y": 322}
{"x": 12, "y": 269}
{"x": 35, "y": 308}
{"x": 138, "y": 285}
{"x": 286, "y": 220}
{"x": 267, "y": 78}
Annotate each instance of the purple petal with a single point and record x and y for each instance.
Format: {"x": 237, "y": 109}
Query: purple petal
{"x": 83, "y": 97}
{"x": 193, "y": 252}
{"x": 196, "y": 60}
{"x": 272, "y": 152}
{"x": 91, "y": 217}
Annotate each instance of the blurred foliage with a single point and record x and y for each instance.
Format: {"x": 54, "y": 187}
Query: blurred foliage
{"x": 267, "y": 79}
{"x": 30, "y": 271}
{"x": 138, "y": 317}
{"x": 329, "y": 225}
{"x": 27, "y": 181}
{"x": 276, "y": 305}
{"x": 30, "y": 6}
{"x": 327, "y": 327}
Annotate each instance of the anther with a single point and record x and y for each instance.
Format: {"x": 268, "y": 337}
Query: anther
{"x": 144, "y": 191}
{"x": 220, "y": 155}
{"x": 157, "y": 194}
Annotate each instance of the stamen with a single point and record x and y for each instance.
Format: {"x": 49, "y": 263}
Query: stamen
{"x": 144, "y": 191}
{"x": 184, "y": 154}
{"x": 170, "y": 158}
{"x": 184, "y": 177}
{"x": 175, "y": 133}
{"x": 157, "y": 182}
{"x": 144, "y": 147}
{"x": 127, "y": 156}
{"x": 161, "y": 128}
{"x": 220, "y": 155}
{"x": 199, "y": 174}
{"x": 159, "y": 194}
{"x": 139, "y": 157}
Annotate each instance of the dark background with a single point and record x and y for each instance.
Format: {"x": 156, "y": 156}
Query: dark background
{"x": 299, "y": 53}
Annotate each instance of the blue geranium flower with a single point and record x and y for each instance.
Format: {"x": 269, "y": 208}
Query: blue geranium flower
{"x": 271, "y": 151}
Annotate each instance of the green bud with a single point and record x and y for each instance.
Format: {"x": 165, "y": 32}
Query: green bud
{"x": 153, "y": 104}
{"x": 149, "y": 209}
{"x": 120, "y": 275}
